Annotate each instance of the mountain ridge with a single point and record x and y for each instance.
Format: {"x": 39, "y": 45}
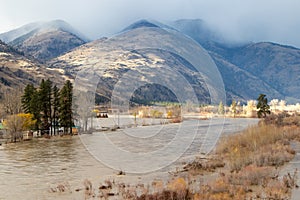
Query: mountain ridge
{"x": 16, "y": 70}
{"x": 44, "y": 40}
{"x": 247, "y": 69}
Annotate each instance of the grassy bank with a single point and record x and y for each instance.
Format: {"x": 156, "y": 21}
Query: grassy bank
{"x": 247, "y": 165}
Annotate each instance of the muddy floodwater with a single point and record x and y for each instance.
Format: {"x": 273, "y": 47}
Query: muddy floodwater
{"x": 29, "y": 170}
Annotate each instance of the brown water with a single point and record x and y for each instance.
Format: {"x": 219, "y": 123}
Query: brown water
{"x": 29, "y": 169}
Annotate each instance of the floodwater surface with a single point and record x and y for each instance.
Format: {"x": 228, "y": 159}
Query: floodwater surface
{"x": 31, "y": 169}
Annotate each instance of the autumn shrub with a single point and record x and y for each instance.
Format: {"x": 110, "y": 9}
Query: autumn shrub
{"x": 176, "y": 189}
{"x": 275, "y": 189}
{"x": 251, "y": 175}
{"x": 274, "y": 155}
{"x": 220, "y": 189}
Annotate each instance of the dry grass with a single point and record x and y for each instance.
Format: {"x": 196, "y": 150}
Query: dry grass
{"x": 201, "y": 166}
{"x": 283, "y": 119}
{"x": 262, "y": 145}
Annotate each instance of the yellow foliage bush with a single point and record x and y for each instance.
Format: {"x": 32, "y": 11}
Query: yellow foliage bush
{"x": 178, "y": 184}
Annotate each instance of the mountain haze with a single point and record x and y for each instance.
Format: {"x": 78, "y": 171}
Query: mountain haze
{"x": 249, "y": 69}
{"x": 44, "y": 41}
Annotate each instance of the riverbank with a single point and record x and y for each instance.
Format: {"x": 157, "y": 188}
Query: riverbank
{"x": 248, "y": 165}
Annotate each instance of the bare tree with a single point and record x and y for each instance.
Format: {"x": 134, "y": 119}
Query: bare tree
{"x": 11, "y": 101}
{"x": 14, "y": 126}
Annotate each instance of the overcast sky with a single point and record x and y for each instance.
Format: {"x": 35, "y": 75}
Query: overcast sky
{"x": 241, "y": 20}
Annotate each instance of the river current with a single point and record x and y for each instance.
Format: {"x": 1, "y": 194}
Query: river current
{"x": 31, "y": 169}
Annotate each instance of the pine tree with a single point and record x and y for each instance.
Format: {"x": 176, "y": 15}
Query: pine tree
{"x": 31, "y": 104}
{"x": 65, "y": 110}
{"x": 45, "y": 100}
{"x": 55, "y": 105}
{"x": 262, "y": 106}
{"x": 27, "y": 98}
{"x": 35, "y": 105}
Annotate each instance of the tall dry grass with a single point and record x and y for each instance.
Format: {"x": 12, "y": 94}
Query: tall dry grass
{"x": 261, "y": 145}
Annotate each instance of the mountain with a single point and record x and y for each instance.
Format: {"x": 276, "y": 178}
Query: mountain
{"x": 155, "y": 68}
{"x": 44, "y": 41}
{"x": 240, "y": 84}
{"x": 249, "y": 69}
{"x": 277, "y": 65}
{"x": 17, "y": 71}
{"x": 140, "y": 24}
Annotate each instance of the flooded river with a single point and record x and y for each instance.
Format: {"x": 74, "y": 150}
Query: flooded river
{"x": 28, "y": 170}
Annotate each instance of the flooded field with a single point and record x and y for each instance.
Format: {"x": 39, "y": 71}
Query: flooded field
{"x": 29, "y": 170}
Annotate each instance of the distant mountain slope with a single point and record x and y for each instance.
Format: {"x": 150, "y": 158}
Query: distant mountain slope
{"x": 275, "y": 64}
{"x": 240, "y": 84}
{"x": 14, "y": 34}
{"x": 18, "y": 71}
{"x": 275, "y": 67}
{"x": 44, "y": 41}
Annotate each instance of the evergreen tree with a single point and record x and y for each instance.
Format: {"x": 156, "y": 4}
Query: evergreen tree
{"x": 45, "y": 102}
{"x": 262, "y": 106}
{"x": 27, "y": 98}
{"x": 65, "y": 110}
{"x": 31, "y": 104}
{"x": 55, "y": 106}
{"x": 35, "y": 105}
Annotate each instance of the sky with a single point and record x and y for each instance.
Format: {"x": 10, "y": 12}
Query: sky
{"x": 237, "y": 20}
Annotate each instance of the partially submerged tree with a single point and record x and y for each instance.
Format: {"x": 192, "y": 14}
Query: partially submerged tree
{"x": 45, "y": 97}
{"x": 31, "y": 104}
{"x": 17, "y": 123}
{"x": 55, "y": 108}
{"x": 46, "y": 106}
{"x": 262, "y": 106}
{"x": 65, "y": 110}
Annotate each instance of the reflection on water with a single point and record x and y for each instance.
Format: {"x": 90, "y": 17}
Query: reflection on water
{"x": 29, "y": 169}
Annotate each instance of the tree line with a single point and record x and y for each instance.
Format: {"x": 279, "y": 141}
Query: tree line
{"x": 49, "y": 106}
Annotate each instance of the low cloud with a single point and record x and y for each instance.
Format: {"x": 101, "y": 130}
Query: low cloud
{"x": 252, "y": 20}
